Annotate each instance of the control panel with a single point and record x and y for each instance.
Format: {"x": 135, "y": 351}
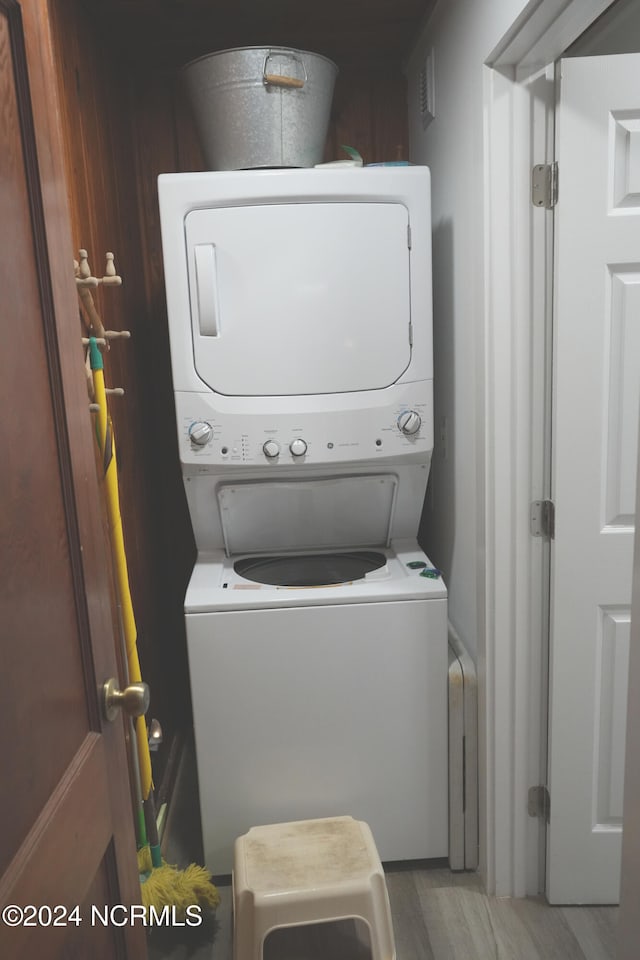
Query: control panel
{"x": 211, "y": 437}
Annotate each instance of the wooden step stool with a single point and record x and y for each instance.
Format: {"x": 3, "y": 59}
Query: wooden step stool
{"x": 309, "y": 871}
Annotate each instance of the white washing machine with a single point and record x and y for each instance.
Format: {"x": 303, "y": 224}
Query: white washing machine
{"x": 299, "y": 306}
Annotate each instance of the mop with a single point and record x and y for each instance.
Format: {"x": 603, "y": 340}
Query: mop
{"x": 161, "y": 884}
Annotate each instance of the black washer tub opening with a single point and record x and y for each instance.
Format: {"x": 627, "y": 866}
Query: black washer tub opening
{"x": 310, "y": 569}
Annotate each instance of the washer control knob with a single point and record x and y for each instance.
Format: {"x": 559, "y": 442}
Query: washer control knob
{"x": 298, "y": 447}
{"x": 271, "y": 449}
{"x": 409, "y": 422}
{"x": 200, "y": 432}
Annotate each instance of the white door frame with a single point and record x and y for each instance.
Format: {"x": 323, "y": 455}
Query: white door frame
{"x": 518, "y": 283}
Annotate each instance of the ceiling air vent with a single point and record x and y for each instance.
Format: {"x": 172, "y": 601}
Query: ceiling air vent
{"x": 426, "y": 97}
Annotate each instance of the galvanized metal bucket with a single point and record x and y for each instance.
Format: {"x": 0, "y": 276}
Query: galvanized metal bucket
{"x": 261, "y": 106}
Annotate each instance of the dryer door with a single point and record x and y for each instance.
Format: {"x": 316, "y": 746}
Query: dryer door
{"x": 300, "y": 298}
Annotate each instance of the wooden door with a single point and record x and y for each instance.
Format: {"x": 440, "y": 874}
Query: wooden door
{"x": 66, "y": 834}
{"x": 596, "y": 400}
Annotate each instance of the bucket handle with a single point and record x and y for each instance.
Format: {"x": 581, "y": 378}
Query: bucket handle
{"x": 276, "y": 80}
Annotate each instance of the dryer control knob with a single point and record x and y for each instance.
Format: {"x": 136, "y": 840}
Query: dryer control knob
{"x": 409, "y": 422}
{"x": 298, "y": 447}
{"x": 200, "y": 432}
{"x": 271, "y": 449}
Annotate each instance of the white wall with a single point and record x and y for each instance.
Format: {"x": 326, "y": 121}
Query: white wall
{"x": 462, "y": 34}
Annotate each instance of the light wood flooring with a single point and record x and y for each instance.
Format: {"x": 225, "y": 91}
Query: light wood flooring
{"x": 437, "y": 915}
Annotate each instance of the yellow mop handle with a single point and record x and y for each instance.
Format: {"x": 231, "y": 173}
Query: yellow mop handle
{"x": 106, "y": 443}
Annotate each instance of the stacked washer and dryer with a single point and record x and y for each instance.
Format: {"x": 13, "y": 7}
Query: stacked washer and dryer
{"x": 299, "y": 306}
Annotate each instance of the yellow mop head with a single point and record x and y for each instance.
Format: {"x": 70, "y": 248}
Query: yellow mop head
{"x": 169, "y": 886}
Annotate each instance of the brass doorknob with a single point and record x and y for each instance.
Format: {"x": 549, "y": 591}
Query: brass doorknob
{"x": 134, "y": 699}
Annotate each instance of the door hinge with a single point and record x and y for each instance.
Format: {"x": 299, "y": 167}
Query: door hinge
{"x": 409, "y": 235}
{"x": 544, "y": 185}
{"x": 542, "y": 519}
{"x": 410, "y": 334}
{"x": 539, "y": 803}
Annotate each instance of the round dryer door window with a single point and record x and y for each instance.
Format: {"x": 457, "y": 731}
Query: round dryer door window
{"x": 310, "y": 570}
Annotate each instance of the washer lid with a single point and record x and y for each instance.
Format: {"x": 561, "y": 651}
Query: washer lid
{"x": 307, "y": 514}
{"x": 300, "y": 298}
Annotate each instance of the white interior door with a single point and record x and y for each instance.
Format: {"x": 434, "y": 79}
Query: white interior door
{"x": 596, "y": 401}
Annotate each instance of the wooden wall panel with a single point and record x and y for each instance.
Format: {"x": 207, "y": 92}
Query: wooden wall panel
{"x": 157, "y": 145}
{"x": 369, "y": 113}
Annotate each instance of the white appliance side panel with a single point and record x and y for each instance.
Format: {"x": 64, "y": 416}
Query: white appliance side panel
{"x": 321, "y": 711}
{"x": 299, "y": 298}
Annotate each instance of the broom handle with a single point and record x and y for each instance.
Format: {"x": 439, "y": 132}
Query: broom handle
{"x": 120, "y": 557}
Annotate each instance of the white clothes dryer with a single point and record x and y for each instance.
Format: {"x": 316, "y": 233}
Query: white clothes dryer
{"x": 299, "y": 306}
